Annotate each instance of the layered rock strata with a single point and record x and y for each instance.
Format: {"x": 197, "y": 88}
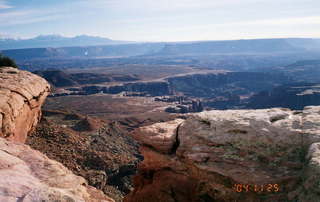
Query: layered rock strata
{"x": 232, "y": 155}
{"x": 21, "y": 97}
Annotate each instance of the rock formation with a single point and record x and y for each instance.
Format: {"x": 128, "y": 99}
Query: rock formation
{"x": 161, "y": 136}
{"x": 27, "y": 175}
{"x": 21, "y": 97}
{"x": 232, "y": 155}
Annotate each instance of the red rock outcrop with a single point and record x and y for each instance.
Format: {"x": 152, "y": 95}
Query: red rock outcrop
{"x": 21, "y": 97}
{"x": 233, "y": 155}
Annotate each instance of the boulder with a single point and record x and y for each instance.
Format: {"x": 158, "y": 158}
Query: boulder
{"x": 21, "y": 97}
{"x": 161, "y": 136}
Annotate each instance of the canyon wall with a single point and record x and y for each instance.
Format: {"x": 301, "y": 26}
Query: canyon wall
{"x": 231, "y": 155}
{"x": 293, "y": 96}
{"x": 204, "y": 85}
{"x": 223, "y": 84}
{"x": 151, "y": 88}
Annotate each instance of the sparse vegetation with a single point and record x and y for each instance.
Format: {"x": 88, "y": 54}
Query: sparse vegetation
{"x": 7, "y": 62}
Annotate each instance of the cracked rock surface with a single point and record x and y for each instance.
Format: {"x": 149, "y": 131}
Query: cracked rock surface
{"x": 224, "y": 155}
{"x": 21, "y": 97}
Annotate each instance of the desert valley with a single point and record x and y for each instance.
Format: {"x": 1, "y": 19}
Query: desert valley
{"x": 149, "y": 127}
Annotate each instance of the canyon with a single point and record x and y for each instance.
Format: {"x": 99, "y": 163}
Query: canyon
{"x": 214, "y": 88}
{"x": 194, "y": 121}
{"x": 218, "y": 155}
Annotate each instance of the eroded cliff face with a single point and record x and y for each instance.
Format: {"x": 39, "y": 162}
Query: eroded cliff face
{"x": 232, "y": 155}
{"x": 225, "y": 83}
{"x": 25, "y": 174}
{"x": 21, "y": 97}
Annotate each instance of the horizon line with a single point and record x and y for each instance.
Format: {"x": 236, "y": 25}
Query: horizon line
{"x": 170, "y": 41}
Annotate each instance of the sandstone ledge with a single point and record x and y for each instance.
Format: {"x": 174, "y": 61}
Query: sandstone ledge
{"x": 21, "y": 97}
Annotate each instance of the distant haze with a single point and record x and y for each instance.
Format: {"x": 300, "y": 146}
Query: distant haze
{"x": 165, "y": 20}
{"x": 44, "y": 41}
{"x": 80, "y": 47}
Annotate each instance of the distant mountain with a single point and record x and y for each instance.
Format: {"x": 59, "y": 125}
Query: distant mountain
{"x": 44, "y": 41}
{"x": 119, "y": 50}
{"x": 251, "y": 46}
{"x": 232, "y": 55}
{"x": 306, "y": 43}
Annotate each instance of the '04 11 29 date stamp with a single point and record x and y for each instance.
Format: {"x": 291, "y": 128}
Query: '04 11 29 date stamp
{"x": 256, "y": 188}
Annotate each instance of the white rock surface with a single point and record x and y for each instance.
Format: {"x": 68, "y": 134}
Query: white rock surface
{"x": 27, "y": 175}
{"x": 161, "y": 136}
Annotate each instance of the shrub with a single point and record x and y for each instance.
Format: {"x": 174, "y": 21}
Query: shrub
{"x": 7, "y": 62}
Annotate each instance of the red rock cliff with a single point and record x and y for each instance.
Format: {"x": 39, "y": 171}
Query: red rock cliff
{"x": 21, "y": 97}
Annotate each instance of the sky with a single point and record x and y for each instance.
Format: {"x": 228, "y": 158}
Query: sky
{"x": 161, "y": 20}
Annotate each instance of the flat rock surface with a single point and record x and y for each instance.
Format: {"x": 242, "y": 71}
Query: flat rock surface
{"x": 267, "y": 142}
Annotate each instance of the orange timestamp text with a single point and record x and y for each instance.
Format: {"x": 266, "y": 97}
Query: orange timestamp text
{"x": 256, "y": 188}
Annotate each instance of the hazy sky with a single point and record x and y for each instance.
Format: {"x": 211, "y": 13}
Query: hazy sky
{"x": 161, "y": 20}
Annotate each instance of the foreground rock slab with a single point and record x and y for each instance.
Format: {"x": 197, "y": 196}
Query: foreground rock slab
{"x": 27, "y": 175}
{"x": 21, "y": 97}
{"x": 242, "y": 155}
